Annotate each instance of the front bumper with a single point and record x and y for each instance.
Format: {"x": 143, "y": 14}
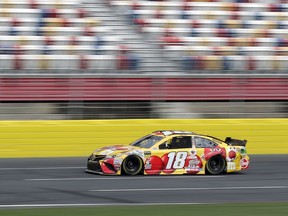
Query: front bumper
{"x": 93, "y": 166}
{"x": 93, "y": 172}
{"x": 97, "y": 166}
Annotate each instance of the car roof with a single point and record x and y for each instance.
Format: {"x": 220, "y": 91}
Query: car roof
{"x": 172, "y": 132}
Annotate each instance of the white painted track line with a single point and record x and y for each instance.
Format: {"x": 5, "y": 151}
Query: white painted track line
{"x": 90, "y": 204}
{"x": 116, "y": 178}
{"x": 183, "y": 189}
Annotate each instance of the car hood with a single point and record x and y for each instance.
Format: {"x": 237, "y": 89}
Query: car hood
{"x": 116, "y": 150}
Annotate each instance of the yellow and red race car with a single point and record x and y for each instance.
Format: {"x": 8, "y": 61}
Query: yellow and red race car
{"x": 171, "y": 152}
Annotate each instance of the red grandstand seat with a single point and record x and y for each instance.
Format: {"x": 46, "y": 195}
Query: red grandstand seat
{"x": 251, "y": 63}
{"x": 122, "y": 62}
{"x": 266, "y": 33}
{"x": 216, "y": 51}
{"x": 53, "y": 13}
{"x": 73, "y": 41}
{"x": 223, "y": 33}
{"x": 235, "y": 16}
{"x": 285, "y": 42}
{"x": 158, "y": 14}
{"x": 15, "y": 22}
{"x": 48, "y": 41}
{"x": 123, "y": 49}
{"x": 167, "y": 32}
{"x": 195, "y": 24}
{"x": 186, "y": 6}
{"x": 234, "y": 7}
{"x": 140, "y": 22}
{"x": 18, "y": 64}
{"x": 88, "y": 31}
{"x": 81, "y": 13}
{"x": 253, "y": 42}
{"x": 199, "y": 62}
{"x": 17, "y": 50}
{"x": 277, "y": 51}
{"x": 83, "y": 62}
{"x": 65, "y": 22}
{"x": 33, "y": 4}
{"x": 135, "y": 5}
{"x": 275, "y": 8}
{"x": 231, "y": 42}
{"x": 171, "y": 40}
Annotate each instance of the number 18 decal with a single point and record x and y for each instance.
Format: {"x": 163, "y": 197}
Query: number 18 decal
{"x": 176, "y": 160}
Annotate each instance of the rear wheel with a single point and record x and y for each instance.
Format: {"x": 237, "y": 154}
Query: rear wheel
{"x": 132, "y": 165}
{"x": 216, "y": 165}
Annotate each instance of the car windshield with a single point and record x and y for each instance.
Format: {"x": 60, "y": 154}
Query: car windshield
{"x": 147, "y": 141}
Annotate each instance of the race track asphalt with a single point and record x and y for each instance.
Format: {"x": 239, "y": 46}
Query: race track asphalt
{"x": 62, "y": 181}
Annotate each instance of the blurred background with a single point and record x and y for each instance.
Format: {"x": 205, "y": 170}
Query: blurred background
{"x": 123, "y": 59}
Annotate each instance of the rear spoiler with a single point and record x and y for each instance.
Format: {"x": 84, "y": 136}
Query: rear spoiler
{"x": 235, "y": 142}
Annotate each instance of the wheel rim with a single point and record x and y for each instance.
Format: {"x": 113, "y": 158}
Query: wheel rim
{"x": 215, "y": 164}
{"x": 132, "y": 166}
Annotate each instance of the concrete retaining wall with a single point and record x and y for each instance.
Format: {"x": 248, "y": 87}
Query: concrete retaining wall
{"x": 79, "y": 138}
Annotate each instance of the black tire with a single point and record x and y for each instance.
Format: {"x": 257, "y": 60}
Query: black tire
{"x": 216, "y": 165}
{"x": 132, "y": 165}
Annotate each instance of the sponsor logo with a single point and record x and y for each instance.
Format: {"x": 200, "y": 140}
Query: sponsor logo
{"x": 148, "y": 165}
{"x": 117, "y": 163}
{"x": 147, "y": 153}
{"x": 94, "y": 162}
{"x": 232, "y": 154}
{"x": 193, "y": 162}
{"x": 231, "y": 166}
{"x": 244, "y": 163}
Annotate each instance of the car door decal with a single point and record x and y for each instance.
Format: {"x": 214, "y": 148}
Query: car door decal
{"x": 176, "y": 160}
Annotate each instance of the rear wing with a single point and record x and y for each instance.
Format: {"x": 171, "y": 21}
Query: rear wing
{"x": 235, "y": 142}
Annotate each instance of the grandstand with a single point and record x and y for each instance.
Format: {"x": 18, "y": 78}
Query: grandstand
{"x": 141, "y": 51}
{"x": 228, "y": 35}
{"x": 187, "y": 36}
{"x": 63, "y": 35}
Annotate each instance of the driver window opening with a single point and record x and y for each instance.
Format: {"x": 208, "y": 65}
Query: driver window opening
{"x": 177, "y": 143}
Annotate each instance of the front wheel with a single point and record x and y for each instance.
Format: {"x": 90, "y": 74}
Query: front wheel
{"x": 132, "y": 165}
{"x": 216, "y": 165}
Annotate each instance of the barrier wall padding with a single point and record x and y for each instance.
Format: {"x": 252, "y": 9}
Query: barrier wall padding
{"x": 80, "y": 138}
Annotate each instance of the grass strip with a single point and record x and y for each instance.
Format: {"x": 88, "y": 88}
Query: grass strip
{"x": 255, "y": 209}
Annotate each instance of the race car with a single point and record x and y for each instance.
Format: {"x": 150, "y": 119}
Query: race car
{"x": 169, "y": 152}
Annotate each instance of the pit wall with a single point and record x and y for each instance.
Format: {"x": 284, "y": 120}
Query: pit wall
{"x": 80, "y": 138}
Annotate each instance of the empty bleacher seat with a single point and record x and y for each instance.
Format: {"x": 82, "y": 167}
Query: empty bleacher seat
{"x": 215, "y": 35}
{"x": 201, "y": 34}
{"x": 53, "y": 34}
{"x": 57, "y": 62}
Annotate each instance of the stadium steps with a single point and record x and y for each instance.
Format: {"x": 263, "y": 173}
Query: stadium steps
{"x": 152, "y": 57}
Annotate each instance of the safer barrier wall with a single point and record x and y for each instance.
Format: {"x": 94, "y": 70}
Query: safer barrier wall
{"x": 80, "y": 138}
